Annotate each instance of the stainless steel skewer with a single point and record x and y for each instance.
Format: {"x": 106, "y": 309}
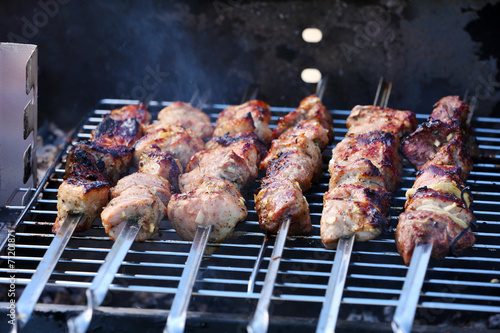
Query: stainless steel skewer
{"x": 258, "y": 261}
{"x": 333, "y": 297}
{"x": 33, "y": 290}
{"x": 176, "y": 320}
{"x": 260, "y": 320}
{"x": 105, "y": 275}
{"x": 407, "y": 304}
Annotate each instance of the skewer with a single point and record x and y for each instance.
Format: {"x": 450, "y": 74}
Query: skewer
{"x": 260, "y": 320}
{"x": 176, "y": 320}
{"x": 333, "y": 297}
{"x": 407, "y": 304}
{"x": 33, "y": 290}
{"x": 404, "y": 315}
{"x": 105, "y": 275}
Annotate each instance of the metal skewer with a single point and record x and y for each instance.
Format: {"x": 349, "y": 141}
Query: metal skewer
{"x": 258, "y": 261}
{"x": 333, "y": 297}
{"x": 105, "y": 275}
{"x": 176, "y": 320}
{"x": 260, "y": 320}
{"x": 33, "y": 290}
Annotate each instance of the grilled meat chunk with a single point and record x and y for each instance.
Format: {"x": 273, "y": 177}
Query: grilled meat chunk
{"x": 187, "y": 116}
{"x": 309, "y": 108}
{"x": 211, "y": 201}
{"x": 279, "y": 199}
{"x": 352, "y": 209}
{"x": 136, "y": 203}
{"x": 112, "y": 132}
{"x": 178, "y": 141}
{"x": 113, "y": 162}
{"x": 158, "y": 185}
{"x": 362, "y": 172}
{"x": 427, "y": 226}
{"x": 364, "y": 119}
{"x": 379, "y": 147}
{"x": 311, "y": 129}
{"x": 452, "y": 111}
{"x": 253, "y": 116}
{"x": 139, "y": 112}
{"x": 79, "y": 195}
{"x": 154, "y": 161}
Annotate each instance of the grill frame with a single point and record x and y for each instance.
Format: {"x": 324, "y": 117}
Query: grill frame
{"x": 375, "y": 277}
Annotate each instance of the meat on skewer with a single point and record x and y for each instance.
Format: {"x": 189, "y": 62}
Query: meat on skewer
{"x": 211, "y": 187}
{"x": 92, "y": 167}
{"x": 365, "y": 169}
{"x": 143, "y": 196}
{"x": 293, "y": 164}
{"x": 437, "y": 207}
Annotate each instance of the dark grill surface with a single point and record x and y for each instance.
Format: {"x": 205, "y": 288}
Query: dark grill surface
{"x": 147, "y": 280}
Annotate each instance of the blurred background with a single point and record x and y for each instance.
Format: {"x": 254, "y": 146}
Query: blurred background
{"x": 129, "y": 49}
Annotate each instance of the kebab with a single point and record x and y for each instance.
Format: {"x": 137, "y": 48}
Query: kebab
{"x": 437, "y": 207}
{"x": 139, "y": 200}
{"x": 90, "y": 169}
{"x": 211, "y": 203}
{"x": 437, "y": 216}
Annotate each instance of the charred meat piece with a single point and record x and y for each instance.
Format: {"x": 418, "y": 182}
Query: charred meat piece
{"x": 379, "y": 147}
{"x": 310, "y": 108}
{"x": 211, "y": 201}
{"x": 362, "y": 172}
{"x": 364, "y": 119}
{"x": 138, "y": 204}
{"x": 352, "y": 209}
{"x": 79, "y": 195}
{"x": 452, "y": 111}
{"x": 428, "y": 226}
{"x": 311, "y": 129}
{"x": 113, "y": 162}
{"x": 178, "y": 141}
{"x": 280, "y": 199}
{"x": 139, "y": 112}
{"x": 154, "y": 161}
{"x": 112, "y": 132}
{"x": 187, "y": 116}
{"x": 253, "y": 116}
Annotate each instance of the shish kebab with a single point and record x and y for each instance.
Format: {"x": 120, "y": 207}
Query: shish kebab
{"x": 139, "y": 200}
{"x": 211, "y": 203}
{"x": 365, "y": 170}
{"x": 92, "y": 167}
{"x": 437, "y": 218}
{"x": 293, "y": 163}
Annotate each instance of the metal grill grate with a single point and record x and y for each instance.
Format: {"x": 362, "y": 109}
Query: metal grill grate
{"x": 150, "y": 273}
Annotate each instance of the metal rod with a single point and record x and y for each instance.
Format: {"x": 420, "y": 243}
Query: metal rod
{"x": 33, "y": 290}
{"x": 105, "y": 275}
{"x": 331, "y": 304}
{"x": 260, "y": 320}
{"x": 321, "y": 87}
{"x": 385, "y": 97}
{"x": 379, "y": 89}
{"x": 408, "y": 301}
{"x": 176, "y": 320}
{"x": 258, "y": 261}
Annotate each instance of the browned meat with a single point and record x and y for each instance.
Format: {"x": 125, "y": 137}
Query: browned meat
{"x": 311, "y": 129}
{"x": 81, "y": 195}
{"x": 361, "y": 172}
{"x": 187, "y": 116}
{"x": 178, "y": 141}
{"x": 138, "y": 204}
{"x": 154, "y": 161}
{"x": 427, "y": 226}
{"x": 309, "y": 108}
{"x": 364, "y": 119}
{"x": 352, "y": 209}
{"x": 451, "y": 110}
{"x": 378, "y": 147}
{"x": 211, "y": 201}
{"x": 113, "y": 162}
{"x": 139, "y": 112}
{"x": 253, "y": 116}
{"x": 112, "y": 132}
{"x": 280, "y": 199}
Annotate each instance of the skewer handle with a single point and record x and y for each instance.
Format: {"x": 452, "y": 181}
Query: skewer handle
{"x": 34, "y": 289}
{"x": 105, "y": 275}
{"x": 331, "y": 304}
{"x": 407, "y": 305}
{"x": 176, "y": 320}
{"x": 260, "y": 320}
{"x": 255, "y": 270}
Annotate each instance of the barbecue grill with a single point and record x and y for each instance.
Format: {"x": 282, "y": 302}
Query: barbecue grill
{"x": 459, "y": 291}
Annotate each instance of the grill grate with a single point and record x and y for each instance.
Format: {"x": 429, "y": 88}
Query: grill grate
{"x": 150, "y": 273}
